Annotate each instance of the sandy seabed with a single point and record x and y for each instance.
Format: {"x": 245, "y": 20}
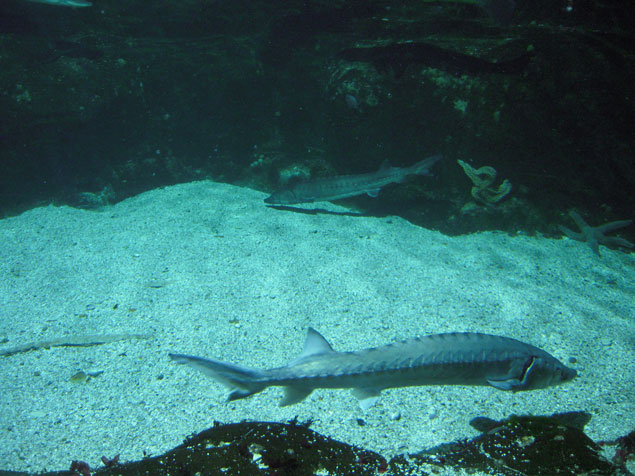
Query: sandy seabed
{"x": 207, "y": 269}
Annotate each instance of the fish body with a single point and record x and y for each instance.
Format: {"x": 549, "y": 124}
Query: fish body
{"x": 442, "y": 359}
{"x": 344, "y": 186}
{"x": 64, "y": 3}
{"x": 500, "y": 11}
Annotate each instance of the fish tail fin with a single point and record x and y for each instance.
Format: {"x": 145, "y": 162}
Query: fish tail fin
{"x": 422, "y": 167}
{"x": 241, "y": 381}
{"x": 501, "y": 11}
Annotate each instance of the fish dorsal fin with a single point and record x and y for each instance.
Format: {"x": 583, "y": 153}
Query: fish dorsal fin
{"x": 315, "y": 344}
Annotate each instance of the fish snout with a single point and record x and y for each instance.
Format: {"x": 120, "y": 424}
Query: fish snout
{"x": 568, "y": 373}
{"x": 561, "y": 374}
{"x": 544, "y": 372}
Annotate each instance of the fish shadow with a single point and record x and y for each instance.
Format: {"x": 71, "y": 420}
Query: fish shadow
{"x": 320, "y": 211}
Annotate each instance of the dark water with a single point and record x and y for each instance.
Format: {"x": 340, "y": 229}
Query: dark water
{"x": 131, "y": 95}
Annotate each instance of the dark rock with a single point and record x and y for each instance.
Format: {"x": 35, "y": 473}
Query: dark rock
{"x": 517, "y": 446}
{"x": 525, "y": 446}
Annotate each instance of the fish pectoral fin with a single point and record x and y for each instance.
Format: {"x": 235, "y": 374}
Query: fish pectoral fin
{"x": 239, "y": 393}
{"x": 367, "y": 396}
{"x": 373, "y": 193}
{"x": 524, "y": 379}
{"x": 509, "y": 384}
{"x": 294, "y": 394}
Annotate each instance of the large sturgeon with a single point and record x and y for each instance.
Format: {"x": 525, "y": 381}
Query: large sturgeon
{"x": 442, "y": 359}
{"x": 343, "y": 186}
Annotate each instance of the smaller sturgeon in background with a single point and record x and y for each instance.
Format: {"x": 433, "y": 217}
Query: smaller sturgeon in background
{"x": 64, "y": 3}
{"x": 442, "y": 359}
{"x": 343, "y": 186}
{"x": 501, "y": 11}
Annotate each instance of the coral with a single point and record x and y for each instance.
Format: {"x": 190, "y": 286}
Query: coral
{"x": 80, "y": 467}
{"x": 483, "y": 178}
{"x": 595, "y": 235}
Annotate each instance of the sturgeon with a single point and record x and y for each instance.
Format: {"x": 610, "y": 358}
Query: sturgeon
{"x": 344, "y": 186}
{"x": 501, "y": 11}
{"x": 64, "y": 3}
{"x": 441, "y": 359}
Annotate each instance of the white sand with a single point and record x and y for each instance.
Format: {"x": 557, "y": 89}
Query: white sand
{"x": 209, "y": 270}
